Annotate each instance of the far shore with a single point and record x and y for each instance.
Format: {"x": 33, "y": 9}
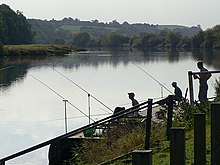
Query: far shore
{"x": 37, "y": 50}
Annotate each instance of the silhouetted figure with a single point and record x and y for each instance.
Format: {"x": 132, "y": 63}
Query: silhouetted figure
{"x": 203, "y": 86}
{"x": 177, "y": 92}
{"x": 118, "y": 109}
{"x": 134, "y": 102}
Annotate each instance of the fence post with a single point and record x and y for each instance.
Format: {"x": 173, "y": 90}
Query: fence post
{"x": 142, "y": 157}
{"x": 177, "y": 146}
{"x": 191, "y": 95}
{"x": 215, "y": 134}
{"x": 2, "y": 162}
{"x": 199, "y": 139}
{"x": 169, "y": 115}
{"x": 148, "y": 124}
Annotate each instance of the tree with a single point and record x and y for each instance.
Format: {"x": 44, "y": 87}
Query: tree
{"x": 81, "y": 39}
{"x": 114, "y": 39}
{"x": 173, "y": 39}
{"x": 14, "y": 27}
{"x": 216, "y": 34}
{"x": 1, "y": 49}
{"x": 198, "y": 39}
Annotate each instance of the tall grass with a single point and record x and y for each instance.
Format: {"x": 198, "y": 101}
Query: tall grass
{"x": 35, "y": 49}
{"x": 124, "y": 139}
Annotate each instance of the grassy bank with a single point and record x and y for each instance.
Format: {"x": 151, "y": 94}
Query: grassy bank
{"x": 35, "y": 50}
{"x": 123, "y": 140}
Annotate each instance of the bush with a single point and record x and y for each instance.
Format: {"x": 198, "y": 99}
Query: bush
{"x": 1, "y": 49}
{"x": 217, "y": 89}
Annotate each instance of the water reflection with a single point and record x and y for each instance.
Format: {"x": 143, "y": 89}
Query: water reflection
{"x": 31, "y": 113}
{"x": 210, "y": 57}
{"x": 112, "y": 57}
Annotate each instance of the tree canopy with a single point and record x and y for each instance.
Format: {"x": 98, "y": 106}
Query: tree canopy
{"x": 14, "y": 28}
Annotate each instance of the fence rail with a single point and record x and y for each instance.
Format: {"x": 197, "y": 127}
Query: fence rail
{"x": 96, "y": 124}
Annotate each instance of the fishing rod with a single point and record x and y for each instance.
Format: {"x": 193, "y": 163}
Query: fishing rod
{"x": 75, "y": 117}
{"x": 6, "y": 67}
{"x": 59, "y": 95}
{"x": 81, "y": 88}
{"x": 152, "y": 77}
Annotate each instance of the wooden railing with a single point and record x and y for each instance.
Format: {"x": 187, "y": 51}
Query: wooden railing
{"x": 96, "y": 124}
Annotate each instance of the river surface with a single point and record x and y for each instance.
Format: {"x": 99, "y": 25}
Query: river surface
{"x": 33, "y": 89}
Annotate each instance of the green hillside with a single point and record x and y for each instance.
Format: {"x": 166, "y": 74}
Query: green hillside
{"x": 172, "y": 27}
{"x": 77, "y": 28}
{"x": 71, "y": 28}
{"x": 48, "y": 32}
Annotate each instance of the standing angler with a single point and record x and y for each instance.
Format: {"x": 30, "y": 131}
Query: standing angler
{"x": 203, "y": 78}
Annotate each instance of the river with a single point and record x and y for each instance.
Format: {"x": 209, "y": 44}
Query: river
{"x": 33, "y": 89}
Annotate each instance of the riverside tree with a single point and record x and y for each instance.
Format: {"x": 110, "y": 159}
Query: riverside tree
{"x": 14, "y": 27}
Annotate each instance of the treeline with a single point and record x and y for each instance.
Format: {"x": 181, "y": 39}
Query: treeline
{"x": 113, "y": 34}
{"x": 165, "y": 39}
{"x": 64, "y": 30}
{"x": 14, "y": 28}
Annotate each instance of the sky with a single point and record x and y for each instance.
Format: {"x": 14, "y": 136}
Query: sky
{"x": 162, "y": 12}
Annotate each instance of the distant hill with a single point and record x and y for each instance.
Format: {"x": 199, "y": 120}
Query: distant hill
{"x": 47, "y": 32}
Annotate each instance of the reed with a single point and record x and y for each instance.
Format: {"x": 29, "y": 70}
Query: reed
{"x": 35, "y": 50}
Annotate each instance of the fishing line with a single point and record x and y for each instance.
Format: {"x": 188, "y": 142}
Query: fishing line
{"x": 75, "y": 117}
{"x": 6, "y": 67}
{"x": 82, "y": 88}
{"x": 59, "y": 95}
{"x": 152, "y": 77}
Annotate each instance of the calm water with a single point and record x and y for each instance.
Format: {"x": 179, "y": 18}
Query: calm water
{"x": 32, "y": 91}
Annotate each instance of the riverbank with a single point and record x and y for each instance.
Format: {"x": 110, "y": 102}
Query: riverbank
{"x": 36, "y": 50}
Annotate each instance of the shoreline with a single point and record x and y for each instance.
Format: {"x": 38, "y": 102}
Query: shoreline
{"x": 36, "y": 50}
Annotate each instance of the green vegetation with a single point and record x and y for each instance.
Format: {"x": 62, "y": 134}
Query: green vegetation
{"x": 49, "y": 31}
{"x": 33, "y": 50}
{"x": 145, "y": 36}
{"x": 171, "y": 27}
{"x": 70, "y": 28}
{"x": 125, "y": 137}
{"x": 14, "y": 27}
{"x": 217, "y": 89}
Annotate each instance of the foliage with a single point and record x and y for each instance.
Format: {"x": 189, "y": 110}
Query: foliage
{"x": 1, "y": 49}
{"x": 114, "y": 143}
{"x": 81, "y": 39}
{"x": 119, "y": 140}
{"x": 217, "y": 89}
{"x": 47, "y": 31}
{"x": 116, "y": 34}
{"x": 14, "y": 27}
{"x": 114, "y": 39}
{"x": 35, "y": 50}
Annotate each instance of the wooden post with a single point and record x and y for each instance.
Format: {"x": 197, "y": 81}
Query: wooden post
{"x": 215, "y": 134}
{"x": 177, "y": 146}
{"x": 2, "y": 162}
{"x": 170, "y": 115}
{"x": 199, "y": 139}
{"x": 191, "y": 95}
{"x": 65, "y": 115}
{"x": 148, "y": 124}
{"x": 142, "y": 157}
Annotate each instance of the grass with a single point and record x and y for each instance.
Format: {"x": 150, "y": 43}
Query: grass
{"x": 171, "y": 27}
{"x": 73, "y": 29}
{"x": 35, "y": 49}
{"x": 121, "y": 141}
{"x": 162, "y": 156}
{"x": 76, "y": 29}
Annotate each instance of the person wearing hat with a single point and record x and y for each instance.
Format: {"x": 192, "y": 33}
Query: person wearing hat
{"x": 203, "y": 85}
{"x": 177, "y": 92}
{"x": 134, "y": 102}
